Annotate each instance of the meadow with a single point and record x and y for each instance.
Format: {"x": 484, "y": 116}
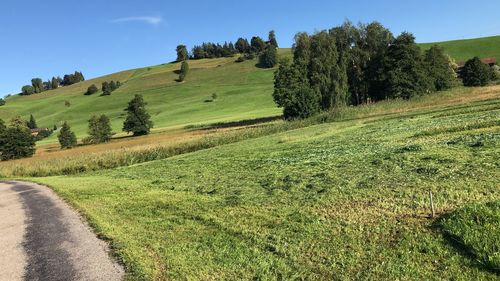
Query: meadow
{"x": 172, "y": 105}
{"x": 343, "y": 196}
{"x": 462, "y": 50}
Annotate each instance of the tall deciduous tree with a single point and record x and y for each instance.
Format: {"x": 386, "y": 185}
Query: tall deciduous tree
{"x": 138, "y": 120}
{"x": 439, "y": 69}
{"x": 37, "y": 84}
{"x": 182, "y": 53}
{"x": 242, "y": 45}
{"x": 405, "y": 72}
{"x": 66, "y": 137}
{"x": 27, "y": 90}
{"x": 257, "y": 44}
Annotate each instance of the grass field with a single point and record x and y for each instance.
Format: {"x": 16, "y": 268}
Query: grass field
{"x": 342, "y": 200}
{"x": 243, "y": 92}
{"x": 462, "y": 50}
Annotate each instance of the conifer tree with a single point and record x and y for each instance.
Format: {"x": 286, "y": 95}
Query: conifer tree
{"x": 67, "y": 138}
{"x": 138, "y": 120}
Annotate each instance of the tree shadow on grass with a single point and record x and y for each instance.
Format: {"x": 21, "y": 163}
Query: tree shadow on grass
{"x": 462, "y": 248}
{"x": 241, "y": 123}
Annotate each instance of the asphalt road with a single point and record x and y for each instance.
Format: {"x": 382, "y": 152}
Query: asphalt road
{"x": 42, "y": 238}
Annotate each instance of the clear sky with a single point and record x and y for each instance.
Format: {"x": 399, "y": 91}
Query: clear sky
{"x": 50, "y": 38}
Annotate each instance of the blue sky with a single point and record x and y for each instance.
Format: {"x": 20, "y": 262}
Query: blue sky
{"x": 47, "y": 38}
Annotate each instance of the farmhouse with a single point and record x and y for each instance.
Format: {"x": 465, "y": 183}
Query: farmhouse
{"x": 489, "y": 61}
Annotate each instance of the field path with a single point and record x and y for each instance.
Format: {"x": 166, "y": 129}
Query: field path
{"x": 42, "y": 238}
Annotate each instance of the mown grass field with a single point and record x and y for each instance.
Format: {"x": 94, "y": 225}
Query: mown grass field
{"x": 243, "y": 92}
{"x": 341, "y": 200}
{"x": 462, "y": 50}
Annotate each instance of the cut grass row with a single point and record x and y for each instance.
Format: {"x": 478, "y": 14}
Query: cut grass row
{"x": 125, "y": 153}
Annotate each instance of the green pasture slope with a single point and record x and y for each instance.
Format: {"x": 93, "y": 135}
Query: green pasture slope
{"x": 346, "y": 200}
{"x": 243, "y": 92}
{"x": 462, "y": 50}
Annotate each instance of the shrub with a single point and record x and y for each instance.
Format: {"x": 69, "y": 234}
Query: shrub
{"x": 269, "y": 58}
{"x": 240, "y": 59}
{"x": 16, "y": 141}
{"x": 2, "y": 102}
{"x": 92, "y": 89}
{"x": 27, "y": 90}
{"x": 475, "y": 73}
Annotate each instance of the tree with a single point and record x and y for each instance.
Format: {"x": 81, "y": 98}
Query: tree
{"x": 16, "y": 140}
{"x": 183, "y": 71}
{"x": 32, "y": 122}
{"x": 404, "y": 69}
{"x": 272, "y": 39}
{"x": 2, "y": 102}
{"x": 476, "y": 73}
{"x": 182, "y": 53}
{"x": 54, "y": 83}
{"x": 99, "y": 129}
{"x": 257, "y": 44}
{"x": 112, "y": 85}
{"x": 92, "y": 89}
{"x": 269, "y": 58}
{"x": 438, "y": 66}
{"x": 293, "y": 93}
{"x": 27, "y": 90}
{"x": 106, "y": 88}
{"x": 242, "y": 45}
{"x": 67, "y": 138}
{"x": 325, "y": 75}
{"x": 2, "y": 126}
{"x": 37, "y": 84}
{"x": 138, "y": 120}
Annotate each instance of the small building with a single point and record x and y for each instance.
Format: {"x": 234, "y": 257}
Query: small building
{"x": 489, "y": 61}
{"x": 36, "y": 131}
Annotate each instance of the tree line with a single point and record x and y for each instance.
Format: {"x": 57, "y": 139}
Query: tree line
{"x": 106, "y": 87}
{"x": 38, "y": 85}
{"x": 17, "y": 141}
{"x": 352, "y": 65}
{"x": 216, "y": 50}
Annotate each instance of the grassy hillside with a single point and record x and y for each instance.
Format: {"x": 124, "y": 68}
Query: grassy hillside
{"x": 345, "y": 200}
{"x": 462, "y": 50}
{"x": 243, "y": 90}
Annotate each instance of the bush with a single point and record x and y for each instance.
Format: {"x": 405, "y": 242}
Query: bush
{"x": 475, "y": 73}
{"x": 43, "y": 134}
{"x": 240, "y": 59}
{"x": 269, "y": 58}
{"x": 92, "y": 89}
{"x": 16, "y": 141}
{"x": 27, "y": 90}
{"x": 2, "y": 102}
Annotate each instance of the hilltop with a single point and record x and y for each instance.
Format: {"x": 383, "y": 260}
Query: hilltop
{"x": 462, "y": 50}
{"x": 243, "y": 92}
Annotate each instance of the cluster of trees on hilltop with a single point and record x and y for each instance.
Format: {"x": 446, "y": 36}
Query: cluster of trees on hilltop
{"x": 351, "y": 65}
{"x": 216, "y": 50}
{"x": 38, "y": 85}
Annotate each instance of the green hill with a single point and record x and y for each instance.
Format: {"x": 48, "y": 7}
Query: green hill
{"x": 243, "y": 92}
{"x": 462, "y": 50}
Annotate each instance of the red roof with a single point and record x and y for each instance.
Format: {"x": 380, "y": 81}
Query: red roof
{"x": 485, "y": 60}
